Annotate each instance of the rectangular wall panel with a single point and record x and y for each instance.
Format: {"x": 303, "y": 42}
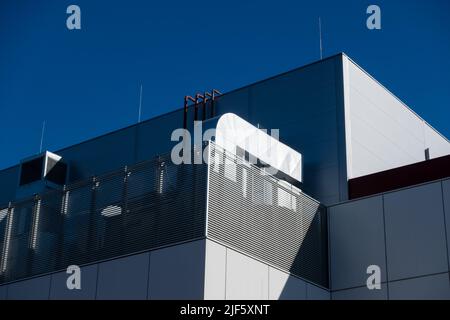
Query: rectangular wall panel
{"x": 215, "y": 271}
{"x": 283, "y": 286}
{"x": 178, "y": 272}
{"x": 247, "y": 278}
{"x": 124, "y": 278}
{"x": 446, "y": 204}
{"x": 3, "y": 291}
{"x": 361, "y": 293}
{"x": 415, "y": 232}
{"x": 356, "y": 241}
{"x": 315, "y": 293}
{"x": 59, "y": 290}
{"x": 434, "y": 287}
{"x": 30, "y": 289}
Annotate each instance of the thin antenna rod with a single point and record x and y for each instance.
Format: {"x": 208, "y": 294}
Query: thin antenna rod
{"x": 42, "y": 136}
{"x": 140, "y": 105}
{"x": 320, "y": 37}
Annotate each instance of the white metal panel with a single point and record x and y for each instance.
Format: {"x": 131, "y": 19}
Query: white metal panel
{"x": 233, "y": 131}
{"x": 437, "y": 144}
{"x": 247, "y": 278}
{"x": 385, "y": 133}
{"x": 215, "y": 264}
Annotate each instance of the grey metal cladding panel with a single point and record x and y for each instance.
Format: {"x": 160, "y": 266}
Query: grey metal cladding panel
{"x": 283, "y": 286}
{"x": 307, "y": 95}
{"x": 236, "y": 102}
{"x": 30, "y": 289}
{"x": 178, "y": 272}
{"x": 321, "y": 153}
{"x": 415, "y": 232}
{"x": 3, "y": 291}
{"x": 247, "y": 278}
{"x": 435, "y": 287}
{"x": 154, "y": 136}
{"x": 446, "y": 194}
{"x": 267, "y": 220}
{"x": 9, "y": 180}
{"x": 321, "y": 183}
{"x": 101, "y": 155}
{"x": 124, "y": 278}
{"x": 296, "y": 92}
{"x": 59, "y": 290}
{"x": 315, "y": 293}
{"x": 310, "y": 110}
{"x": 271, "y": 102}
{"x": 361, "y": 293}
{"x": 356, "y": 241}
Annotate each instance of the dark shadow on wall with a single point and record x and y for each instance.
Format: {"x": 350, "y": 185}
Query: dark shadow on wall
{"x": 311, "y": 261}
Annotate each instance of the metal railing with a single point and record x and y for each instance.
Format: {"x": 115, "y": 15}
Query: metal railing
{"x": 267, "y": 218}
{"x": 145, "y": 206}
{"x": 158, "y": 203}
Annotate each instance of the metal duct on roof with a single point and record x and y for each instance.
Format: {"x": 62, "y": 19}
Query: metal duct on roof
{"x": 233, "y": 131}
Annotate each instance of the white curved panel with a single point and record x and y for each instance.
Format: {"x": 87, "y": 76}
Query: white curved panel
{"x": 233, "y": 131}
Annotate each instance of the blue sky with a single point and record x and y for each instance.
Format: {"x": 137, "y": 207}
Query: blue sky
{"x": 86, "y": 82}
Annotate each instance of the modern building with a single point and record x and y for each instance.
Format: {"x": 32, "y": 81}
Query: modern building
{"x": 362, "y": 181}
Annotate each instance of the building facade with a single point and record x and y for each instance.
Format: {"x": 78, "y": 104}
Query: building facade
{"x": 141, "y": 227}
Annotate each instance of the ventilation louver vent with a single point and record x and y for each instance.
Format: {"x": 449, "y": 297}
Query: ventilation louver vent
{"x": 47, "y": 166}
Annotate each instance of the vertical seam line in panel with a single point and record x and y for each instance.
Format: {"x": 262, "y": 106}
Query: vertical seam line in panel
{"x": 306, "y": 290}
{"x": 226, "y": 268}
{"x": 96, "y": 281}
{"x": 268, "y": 282}
{"x": 329, "y": 248}
{"x": 50, "y": 286}
{"x": 385, "y": 250}
{"x": 148, "y": 275}
{"x": 445, "y": 224}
